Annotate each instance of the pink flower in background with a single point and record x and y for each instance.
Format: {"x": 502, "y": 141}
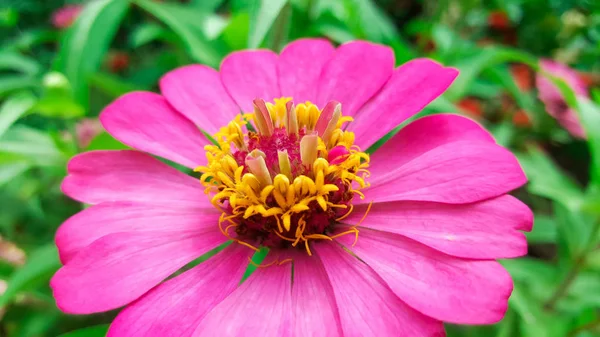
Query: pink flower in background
{"x": 65, "y": 16}
{"x": 390, "y": 244}
{"x": 86, "y": 130}
{"x": 553, "y": 99}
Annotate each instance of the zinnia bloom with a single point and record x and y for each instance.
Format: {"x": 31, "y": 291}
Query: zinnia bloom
{"x": 390, "y": 244}
{"x": 553, "y": 99}
{"x": 65, "y": 16}
{"x": 86, "y": 130}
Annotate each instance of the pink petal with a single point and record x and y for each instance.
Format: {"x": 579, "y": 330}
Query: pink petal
{"x": 196, "y": 92}
{"x": 567, "y": 74}
{"x": 325, "y": 117}
{"x": 100, "y": 176}
{"x": 426, "y": 134}
{"x": 250, "y": 74}
{"x": 176, "y": 307}
{"x": 367, "y": 306}
{"x": 65, "y": 16}
{"x": 100, "y": 220}
{"x": 314, "y": 310}
{"x": 145, "y": 121}
{"x": 354, "y": 74}
{"x": 299, "y": 68}
{"x": 118, "y": 268}
{"x": 438, "y": 285}
{"x": 411, "y": 87}
{"x": 456, "y": 173}
{"x": 485, "y": 230}
{"x": 259, "y": 307}
{"x": 553, "y": 99}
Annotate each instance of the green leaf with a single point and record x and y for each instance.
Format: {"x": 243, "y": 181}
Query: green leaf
{"x": 574, "y": 230}
{"x": 589, "y": 114}
{"x": 41, "y": 264}
{"x": 593, "y": 260}
{"x": 535, "y": 321}
{"x": 11, "y": 169}
{"x": 596, "y": 95}
{"x": 11, "y": 83}
{"x": 213, "y": 26}
{"x": 104, "y": 141}
{"x": 146, "y": 33}
{"x": 207, "y": 5}
{"x": 112, "y": 85}
{"x": 524, "y": 101}
{"x": 503, "y": 133}
{"x": 547, "y": 180}
{"x": 442, "y": 104}
{"x": 58, "y": 107}
{"x": 17, "y": 62}
{"x": 236, "y": 33}
{"x": 544, "y": 230}
{"x": 95, "y": 331}
{"x": 9, "y": 17}
{"x": 584, "y": 292}
{"x": 263, "y": 14}
{"x": 184, "y": 22}
{"x": 31, "y": 146}
{"x": 375, "y": 26}
{"x": 471, "y": 68}
{"x": 334, "y": 30}
{"x": 86, "y": 42}
{"x": 530, "y": 271}
{"x": 13, "y": 108}
{"x": 31, "y": 38}
{"x": 38, "y": 323}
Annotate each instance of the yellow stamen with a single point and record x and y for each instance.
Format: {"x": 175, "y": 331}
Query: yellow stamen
{"x": 282, "y": 194}
{"x": 308, "y": 149}
{"x": 262, "y": 118}
{"x": 291, "y": 122}
{"x": 276, "y": 261}
{"x": 285, "y": 166}
{"x": 332, "y": 126}
{"x": 255, "y": 161}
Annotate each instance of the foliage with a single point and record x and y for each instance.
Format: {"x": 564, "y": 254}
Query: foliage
{"x": 52, "y": 80}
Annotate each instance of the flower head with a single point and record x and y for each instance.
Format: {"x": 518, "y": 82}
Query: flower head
{"x": 288, "y": 182}
{"x": 86, "y": 130}
{"x": 387, "y": 244}
{"x": 553, "y": 99}
{"x": 65, "y": 16}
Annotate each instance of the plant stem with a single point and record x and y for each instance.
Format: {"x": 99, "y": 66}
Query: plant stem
{"x": 589, "y": 326}
{"x": 577, "y": 266}
{"x": 562, "y": 288}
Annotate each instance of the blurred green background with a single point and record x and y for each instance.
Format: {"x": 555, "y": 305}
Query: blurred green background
{"x": 60, "y": 65}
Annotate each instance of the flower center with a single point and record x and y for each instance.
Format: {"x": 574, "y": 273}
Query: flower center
{"x": 285, "y": 174}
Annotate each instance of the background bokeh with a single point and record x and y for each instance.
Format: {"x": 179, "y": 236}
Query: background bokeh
{"x": 62, "y": 61}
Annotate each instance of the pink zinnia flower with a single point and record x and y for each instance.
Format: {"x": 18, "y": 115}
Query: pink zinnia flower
{"x": 86, "y": 130}
{"x": 65, "y": 16}
{"x": 554, "y": 100}
{"x": 418, "y": 249}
